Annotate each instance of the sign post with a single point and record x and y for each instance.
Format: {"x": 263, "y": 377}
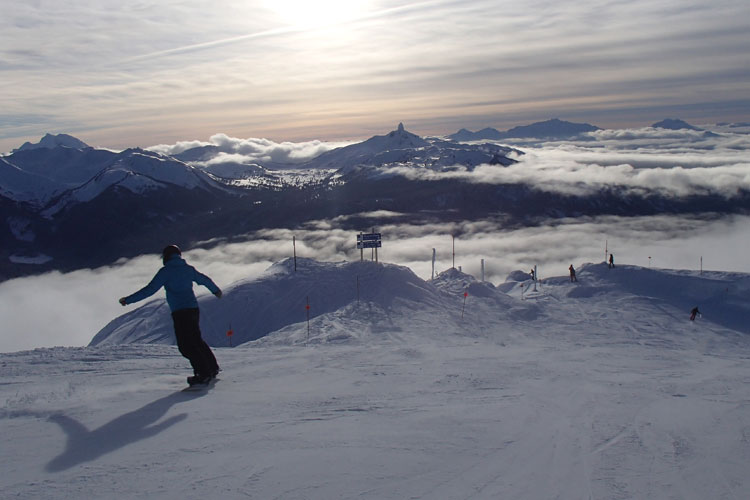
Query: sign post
{"x": 294, "y": 244}
{"x": 454, "y": 250}
{"x": 307, "y": 308}
{"x": 369, "y": 240}
{"x": 433, "y": 263}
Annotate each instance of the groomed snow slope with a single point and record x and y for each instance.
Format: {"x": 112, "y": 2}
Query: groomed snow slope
{"x": 600, "y": 389}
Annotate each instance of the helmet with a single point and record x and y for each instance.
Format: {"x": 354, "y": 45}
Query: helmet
{"x": 169, "y": 251}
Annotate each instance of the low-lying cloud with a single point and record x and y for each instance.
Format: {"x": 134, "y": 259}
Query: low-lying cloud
{"x": 253, "y": 150}
{"x": 673, "y": 163}
{"x": 69, "y": 309}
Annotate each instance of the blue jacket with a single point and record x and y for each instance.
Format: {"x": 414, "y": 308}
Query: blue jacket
{"x": 177, "y": 279}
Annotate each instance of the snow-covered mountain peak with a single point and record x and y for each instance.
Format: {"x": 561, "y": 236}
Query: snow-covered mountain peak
{"x": 50, "y": 141}
{"x": 401, "y": 148}
{"x": 138, "y": 171}
{"x": 549, "y": 129}
{"x": 675, "y": 124}
{"x": 393, "y": 140}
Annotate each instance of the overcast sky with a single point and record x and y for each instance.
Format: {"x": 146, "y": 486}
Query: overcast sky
{"x": 119, "y": 74}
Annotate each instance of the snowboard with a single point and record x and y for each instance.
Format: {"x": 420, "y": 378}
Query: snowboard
{"x": 200, "y": 387}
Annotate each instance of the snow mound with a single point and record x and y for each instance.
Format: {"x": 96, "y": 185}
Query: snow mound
{"x": 323, "y": 302}
{"x": 354, "y": 293}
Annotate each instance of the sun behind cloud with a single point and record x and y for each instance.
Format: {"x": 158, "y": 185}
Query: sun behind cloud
{"x": 317, "y": 13}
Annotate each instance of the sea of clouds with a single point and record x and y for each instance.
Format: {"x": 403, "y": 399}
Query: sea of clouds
{"x": 253, "y": 150}
{"x": 674, "y": 163}
{"x": 69, "y": 308}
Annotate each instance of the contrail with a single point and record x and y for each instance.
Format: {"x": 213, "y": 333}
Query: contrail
{"x": 212, "y": 44}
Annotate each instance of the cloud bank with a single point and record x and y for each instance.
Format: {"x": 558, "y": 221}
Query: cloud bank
{"x": 252, "y": 150}
{"x": 644, "y": 161}
{"x": 68, "y": 309}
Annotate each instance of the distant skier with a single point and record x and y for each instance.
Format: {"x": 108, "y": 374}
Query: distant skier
{"x": 533, "y": 276}
{"x": 572, "y": 273}
{"x": 177, "y": 278}
{"x": 695, "y": 312}
{"x": 611, "y": 261}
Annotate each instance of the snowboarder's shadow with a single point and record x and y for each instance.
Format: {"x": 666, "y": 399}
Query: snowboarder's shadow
{"x": 86, "y": 445}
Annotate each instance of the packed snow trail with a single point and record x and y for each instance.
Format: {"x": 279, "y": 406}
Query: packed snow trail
{"x": 585, "y": 391}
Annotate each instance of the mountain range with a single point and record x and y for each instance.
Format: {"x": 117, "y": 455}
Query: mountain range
{"x": 550, "y": 129}
{"x": 66, "y": 205}
{"x": 554, "y": 129}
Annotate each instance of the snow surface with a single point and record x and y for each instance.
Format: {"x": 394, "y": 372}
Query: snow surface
{"x": 137, "y": 171}
{"x": 20, "y": 185}
{"x": 596, "y": 389}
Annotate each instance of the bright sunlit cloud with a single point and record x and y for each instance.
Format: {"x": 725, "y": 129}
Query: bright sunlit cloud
{"x": 233, "y": 149}
{"x": 318, "y": 13}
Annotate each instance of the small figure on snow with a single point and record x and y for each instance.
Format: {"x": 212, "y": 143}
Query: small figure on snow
{"x": 611, "y": 261}
{"x": 177, "y": 278}
{"x": 572, "y": 273}
{"x": 533, "y": 276}
{"x": 693, "y": 313}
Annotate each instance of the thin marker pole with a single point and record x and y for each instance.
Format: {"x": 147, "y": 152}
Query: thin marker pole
{"x": 307, "y": 307}
{"x": 434, "y": 254}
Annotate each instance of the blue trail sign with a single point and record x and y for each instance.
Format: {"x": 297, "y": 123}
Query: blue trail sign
{"x": 368, "y": 237}
{"x": 369, "y": 244}
{"x": 369, "y": 240}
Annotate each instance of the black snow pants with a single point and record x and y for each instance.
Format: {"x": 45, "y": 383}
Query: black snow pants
{"x": 191, "y": 344}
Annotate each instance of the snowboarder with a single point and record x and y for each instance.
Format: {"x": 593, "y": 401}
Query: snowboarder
{"x": 533, "y": 276}
{"x": 177, "y": 278}
{"x": 572, "y": 273}
{"x": 611, "y": 261}
{"x": 693, "y": 313}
